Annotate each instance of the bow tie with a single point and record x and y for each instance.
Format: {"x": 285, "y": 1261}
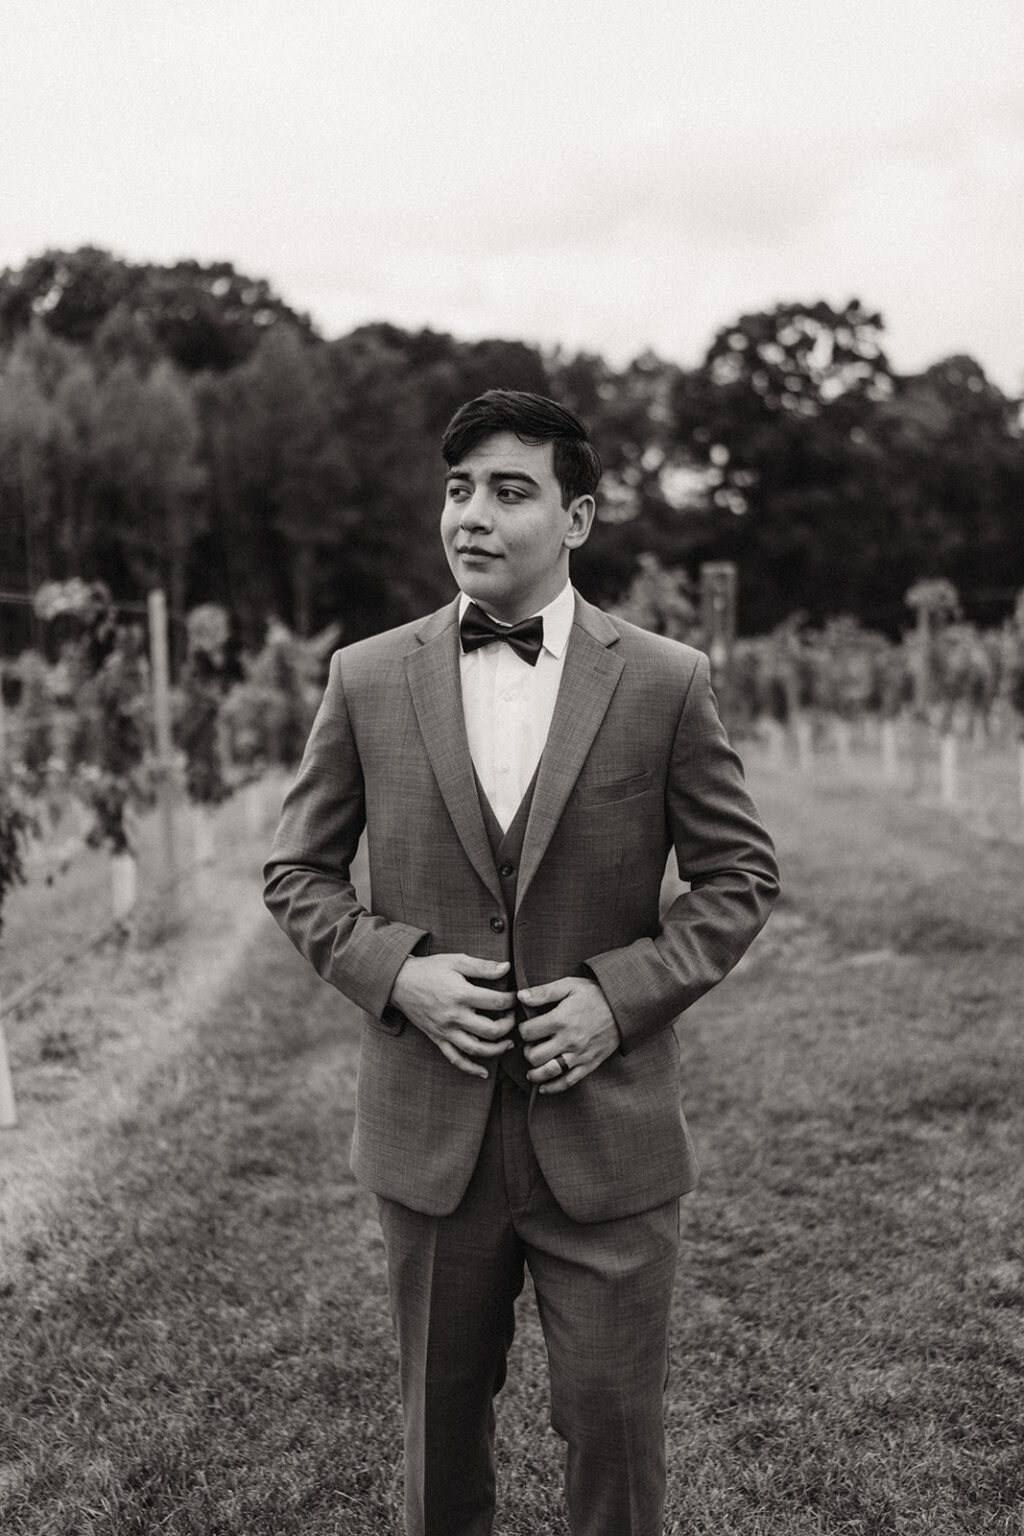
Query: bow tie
{"x": 478, "y": 628}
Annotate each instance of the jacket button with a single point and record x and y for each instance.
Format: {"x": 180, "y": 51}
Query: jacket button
{"x": 498, "y": 924}
{"x": 506, "y": 870}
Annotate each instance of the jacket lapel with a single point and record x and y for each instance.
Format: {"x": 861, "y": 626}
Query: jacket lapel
{"x": 590, "y": 677}
{"x": 433, "y": 674}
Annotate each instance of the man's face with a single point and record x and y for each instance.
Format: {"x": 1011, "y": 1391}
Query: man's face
{"x": 505, "y": 531}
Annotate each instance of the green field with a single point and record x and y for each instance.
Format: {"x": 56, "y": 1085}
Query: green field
{"x": 195, "y": 1336}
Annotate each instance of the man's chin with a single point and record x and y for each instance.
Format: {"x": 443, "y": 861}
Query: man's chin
{"x": 480, "y": 584}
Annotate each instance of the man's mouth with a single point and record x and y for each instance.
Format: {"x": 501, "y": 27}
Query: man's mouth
{"x": 475, "y": 553}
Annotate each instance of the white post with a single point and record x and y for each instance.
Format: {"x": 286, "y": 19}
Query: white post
{"x": 1020, "y": 772}
{"x": 254, "y": 807}
{"x": 947, "y": 769}
{"x": 776, "y": 741}
{"x": 889, "y": 754}
{"x": 842, "y": 729}
{"x": 8, "y": 1108}
{"x": 804, "y": 742}
{"x": 159, "y": 661}
{"x": 124, "y": 885}
{"x": 202, "y": 834}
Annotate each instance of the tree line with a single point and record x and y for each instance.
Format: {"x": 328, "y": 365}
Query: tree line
{"x": 183, "y": 426}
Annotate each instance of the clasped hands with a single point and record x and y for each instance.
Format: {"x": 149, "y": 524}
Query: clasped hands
{"x": 471, "y": 1023}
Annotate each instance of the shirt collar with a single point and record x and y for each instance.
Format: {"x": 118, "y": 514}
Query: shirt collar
{"x": 558, "y": 618}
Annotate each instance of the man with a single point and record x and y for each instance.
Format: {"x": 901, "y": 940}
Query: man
{"x": 522, "y": 764}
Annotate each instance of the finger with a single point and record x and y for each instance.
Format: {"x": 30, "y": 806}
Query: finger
{"x": 548, "y": 992}
{"x": 539, "y": 1052}
{"x": 464, "y": 1064}
{"x": 472, "y": 965}
{"x": 483, "y": 1027}
{"x": 542, "y": 1027}
{"x": 553, "y": 1065}
{"x": 487, "y": 1000}
{"x": 469, "y": 1041}
{"x": 563, "y": 1080}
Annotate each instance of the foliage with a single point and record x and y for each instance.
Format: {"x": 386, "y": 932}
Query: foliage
{"x": 267, "y": 716}
{"x": 16, "y": 825}
{"x": 180, "y": 426}
{"x": 200, "y": 316}
{"x": 104, "y": 685}
{"x": 660, "y": 600}
{"x": 198, "y": 700}
{"x": 936, "y": 597}
{"x": 832, "y": 482}
{"x": 847, "y": 671}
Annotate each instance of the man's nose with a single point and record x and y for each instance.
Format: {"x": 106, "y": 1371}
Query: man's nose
{"x": 475, "y": 512}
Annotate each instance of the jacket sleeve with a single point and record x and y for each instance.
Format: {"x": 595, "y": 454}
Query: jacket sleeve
{"x": 727, "y": 857}
{"x": 308, "y": 885}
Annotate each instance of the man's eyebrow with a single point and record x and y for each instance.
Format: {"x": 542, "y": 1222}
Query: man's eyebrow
{"x": 495, "y": 476}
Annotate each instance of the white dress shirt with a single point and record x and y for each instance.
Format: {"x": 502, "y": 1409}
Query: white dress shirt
{"x": 508, "y": 706}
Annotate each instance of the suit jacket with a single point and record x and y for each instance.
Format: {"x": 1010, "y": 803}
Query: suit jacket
{"x": 636, "y": 763}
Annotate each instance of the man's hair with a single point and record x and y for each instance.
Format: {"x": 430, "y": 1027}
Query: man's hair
{"x": 533, "y": 419}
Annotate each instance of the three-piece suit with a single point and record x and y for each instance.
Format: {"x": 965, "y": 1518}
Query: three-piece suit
{"x": 636, "y": 764}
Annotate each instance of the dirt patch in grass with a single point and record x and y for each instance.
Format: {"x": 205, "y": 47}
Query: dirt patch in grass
{"x": 82, "y": 1049}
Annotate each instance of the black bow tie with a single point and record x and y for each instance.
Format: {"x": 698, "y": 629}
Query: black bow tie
{"x": 478, "y": 628}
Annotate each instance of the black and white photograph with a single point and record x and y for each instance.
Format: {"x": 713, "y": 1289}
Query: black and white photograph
{"x": 511, "y": 768}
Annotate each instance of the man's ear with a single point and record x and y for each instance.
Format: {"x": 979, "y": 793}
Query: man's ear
{"x": 581, "y": 520}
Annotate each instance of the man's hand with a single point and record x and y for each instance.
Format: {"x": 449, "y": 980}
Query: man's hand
{"x": 580, "y": 1028}
{"x": 437, "y": 994}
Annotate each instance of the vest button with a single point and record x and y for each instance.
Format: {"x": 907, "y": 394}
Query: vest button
{"x": 498, "y": 924}
{"x": 506, "y": 870}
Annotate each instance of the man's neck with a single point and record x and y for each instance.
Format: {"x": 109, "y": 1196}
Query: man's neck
{"x": 533, "y": 611}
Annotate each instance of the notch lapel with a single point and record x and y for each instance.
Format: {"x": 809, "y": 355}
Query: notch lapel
{"x": 590, "y": 678}
{"x": 433, "y": 675}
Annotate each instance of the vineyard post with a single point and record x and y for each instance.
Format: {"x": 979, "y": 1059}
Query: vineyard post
{"x": 804, "y": 732}
{"x": 947, "y": 769}
{"x": 843, "y": 734}
{"x": 8, "y": 1108}
{"x": 922, "y": 689}
{"x": 718, "y": 625}
{"x": 158, "y": 653}
{"x": 923, "y": 658}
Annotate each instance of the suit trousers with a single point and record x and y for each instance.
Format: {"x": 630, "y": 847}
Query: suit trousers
{"x": 603, "y": 1294}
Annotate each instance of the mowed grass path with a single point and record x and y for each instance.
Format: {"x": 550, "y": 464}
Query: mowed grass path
{"x": 200, "y": 1344}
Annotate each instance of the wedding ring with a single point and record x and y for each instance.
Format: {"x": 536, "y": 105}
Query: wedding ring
{"x": 563, "y": 1064}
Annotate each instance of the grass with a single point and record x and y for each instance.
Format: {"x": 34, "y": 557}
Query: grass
{"x": 198, "y": 1340}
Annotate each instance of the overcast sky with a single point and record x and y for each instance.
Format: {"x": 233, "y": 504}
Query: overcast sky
{"x": 610, "y": 176}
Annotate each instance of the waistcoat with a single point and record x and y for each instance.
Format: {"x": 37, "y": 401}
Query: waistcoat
{"x": 507, "y": 848}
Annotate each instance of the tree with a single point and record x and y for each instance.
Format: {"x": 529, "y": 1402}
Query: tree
{"x": 954, "y": 452}
{"x": 281, "y": 482}
{"x": 630, "y": 417}
{"x": 146, "y": 448}
{"x": 201, "y": 315}
{"x": 780, "y": 417}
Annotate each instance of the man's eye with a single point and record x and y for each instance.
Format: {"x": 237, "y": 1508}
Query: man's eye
{"x": 510, "y": 493}
{"x": 456, "y": 492}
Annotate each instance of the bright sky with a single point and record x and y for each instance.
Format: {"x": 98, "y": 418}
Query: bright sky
{"x": 600, "y": 174}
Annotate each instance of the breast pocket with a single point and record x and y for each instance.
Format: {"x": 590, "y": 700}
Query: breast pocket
{"x": 611, "y": 791}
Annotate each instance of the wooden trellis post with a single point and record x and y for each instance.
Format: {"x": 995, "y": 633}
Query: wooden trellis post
{"x": 8, "y": 1108}
{"x": 718, "y": 625}
{"x": 165, "y": 797}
